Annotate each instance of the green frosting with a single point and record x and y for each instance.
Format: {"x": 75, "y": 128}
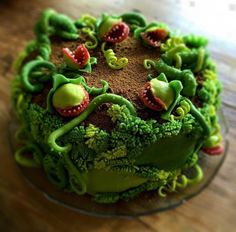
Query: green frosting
{"x": 169, "y": 153}
{"x": 68, "y": 95}
{"x": 111, "y": 181}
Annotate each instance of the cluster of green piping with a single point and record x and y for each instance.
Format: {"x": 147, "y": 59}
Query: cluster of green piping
{"x": 95, "y": 103}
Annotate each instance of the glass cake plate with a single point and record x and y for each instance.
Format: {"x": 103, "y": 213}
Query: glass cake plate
{"x": 147, "y": 203}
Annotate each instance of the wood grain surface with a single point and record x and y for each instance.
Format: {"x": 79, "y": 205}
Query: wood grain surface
{"x": 22, "y": 208}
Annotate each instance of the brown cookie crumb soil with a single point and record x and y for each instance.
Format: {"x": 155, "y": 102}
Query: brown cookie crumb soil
{"x": 126, "y": 82}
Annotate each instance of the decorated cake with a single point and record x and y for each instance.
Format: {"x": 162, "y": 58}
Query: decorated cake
{"x": 115, "y": 106}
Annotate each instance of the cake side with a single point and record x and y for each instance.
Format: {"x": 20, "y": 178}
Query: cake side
{"x": 115, "y": 106}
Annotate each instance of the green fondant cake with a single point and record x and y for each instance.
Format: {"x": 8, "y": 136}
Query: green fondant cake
{"x": 115, "y": 106}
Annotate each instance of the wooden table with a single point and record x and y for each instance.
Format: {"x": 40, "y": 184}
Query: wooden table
{"x": 22, "y": 208}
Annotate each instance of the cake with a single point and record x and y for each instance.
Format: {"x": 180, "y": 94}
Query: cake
{"x": 115, "y": 106}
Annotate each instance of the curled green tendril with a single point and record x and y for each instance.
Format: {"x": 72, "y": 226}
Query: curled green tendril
{"x": 177, "y": 88}
{"x": 19, "y": 102}
{"x": 80, "y": 80}
{"x": 96, "y": 91}
{"x": 160, "y": 191}
{"x": 172, "y": 187}
{"x": 94, "y": 104}
{"x": 76, "y": 180}
{"x": 182, "y": 110}
{"x": 200, "y": 60}
{"x": 172, "y": 48}
{"x": 52, "y": 23}
{"x": 34, "y": 160}
{"x": 20, "y": 134}
{"x": 134, "y": 19}
{"x": 86, "y": 21}
{"x": 172, "y": 43}
{"x": 198, "y": 176}
{"x": 201, "y": 119}
{"x": 30, "y": 47}
{"x": 194, "y": 59}
{"x": 41, "y": 47}
{"x": 186, "y": 77}
{"x": 195, "y": 41}
{"x": 148, "y": 64}
{"x": 55, "y": 171}
{"x": 19, "y": 61}
{"x": 93, "y": 43}
{"x": 111, "y": 59}
{"x": 183, "y": 182}
{"x": 33, "y": 66}
{"x": 173, "y": 55}
{"x": 45, "y": 51}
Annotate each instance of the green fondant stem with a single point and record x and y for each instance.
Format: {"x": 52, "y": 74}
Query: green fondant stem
{"x": 160, "y": 191}
{"x": 93, "y": 43}
{"x": 200, "y": 60}
{"x": 35, "y": 159}
{"x": 183, "y": 183}
{"x": 28, "y": 68}
{"x": 198, "y": 177}
{"x": 76, "y": 180}
{"x": 94, "y": 90}
{"x": 134, "y": 19}
{"x": 201, "y": 119}
{"x": 95, "y": 103}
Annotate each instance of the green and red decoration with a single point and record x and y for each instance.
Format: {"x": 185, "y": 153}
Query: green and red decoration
{"x": 68, "y": 96}
{"x": 152, "y": 35}
{"x": 157, "y": 94}
{"x": 70, "y": 100}
{"x": 112, "y": 29}
{"x": 76, "y": 59}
